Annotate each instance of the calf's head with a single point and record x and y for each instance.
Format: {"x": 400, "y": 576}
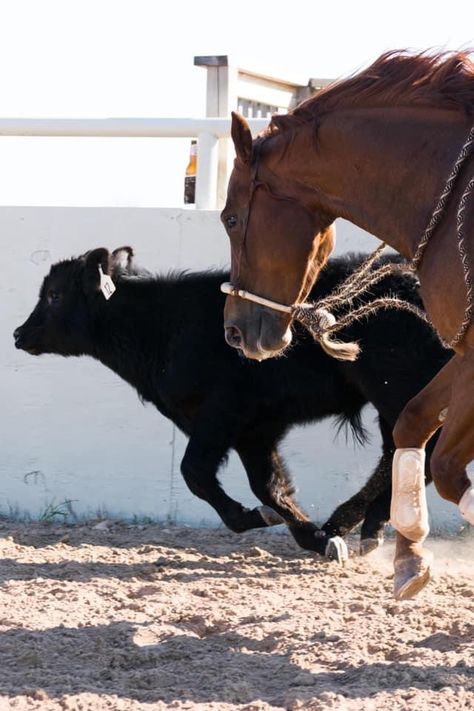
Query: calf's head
{"x": 63, "y": 319}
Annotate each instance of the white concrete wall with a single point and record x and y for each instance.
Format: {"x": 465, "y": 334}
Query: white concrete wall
{"x": 72, "y": 430}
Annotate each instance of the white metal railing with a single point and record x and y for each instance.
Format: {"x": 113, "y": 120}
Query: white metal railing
{"x": 208, "y": 131}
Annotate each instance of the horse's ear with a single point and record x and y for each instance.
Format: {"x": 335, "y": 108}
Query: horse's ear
{"x": 242, "y": 137}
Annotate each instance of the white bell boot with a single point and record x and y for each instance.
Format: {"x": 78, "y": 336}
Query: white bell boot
{"x": 409, "y": 512}
{"x": 466, "y": 505}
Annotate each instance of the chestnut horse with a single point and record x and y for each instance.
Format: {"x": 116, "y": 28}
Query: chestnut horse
{"x": 377, "y": 149}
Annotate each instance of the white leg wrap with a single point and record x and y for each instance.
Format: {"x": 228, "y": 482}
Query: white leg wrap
{"x": 409, "y": 512}
{"x": 466, "y": 505}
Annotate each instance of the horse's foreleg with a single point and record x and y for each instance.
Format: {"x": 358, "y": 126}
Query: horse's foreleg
{"x": 424, "y": 413}
{"x": 418, "y": 421}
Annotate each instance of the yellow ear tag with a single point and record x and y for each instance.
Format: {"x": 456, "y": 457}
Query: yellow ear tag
{"x": 106, "y": 285}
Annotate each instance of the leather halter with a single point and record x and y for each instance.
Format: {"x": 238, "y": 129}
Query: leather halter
{"x": 232, "y": 288}
{"x": 254, "y": 184}
{"x": 228, "y": 288}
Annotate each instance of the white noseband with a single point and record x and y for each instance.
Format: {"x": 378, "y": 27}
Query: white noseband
{"x": 227, "y": 288}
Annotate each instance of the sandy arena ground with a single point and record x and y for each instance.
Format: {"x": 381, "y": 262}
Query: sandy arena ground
{"x": 143, "y": 617}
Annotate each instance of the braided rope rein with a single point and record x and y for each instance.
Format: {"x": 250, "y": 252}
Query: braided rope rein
{"x": 321, "y": 322}
{"x": 443, "y": 199}
{"x": 465, "y": 265}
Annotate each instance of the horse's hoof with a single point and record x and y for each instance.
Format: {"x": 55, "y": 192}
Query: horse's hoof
{"x": 367, "y": 545}
{"x": 336, "y": 549}
{"x": 412, "y": 574}
{"x": 270, "y": 516}
{"x": 466, "y": 505}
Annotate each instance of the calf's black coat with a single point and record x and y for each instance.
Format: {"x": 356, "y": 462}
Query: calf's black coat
{"x": 164, "y": 336}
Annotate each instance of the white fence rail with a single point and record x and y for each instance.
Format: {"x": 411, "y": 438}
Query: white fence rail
{"x": 208, "y": 132}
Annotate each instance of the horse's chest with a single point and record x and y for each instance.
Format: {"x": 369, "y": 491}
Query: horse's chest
{"x": 443, "y": 287}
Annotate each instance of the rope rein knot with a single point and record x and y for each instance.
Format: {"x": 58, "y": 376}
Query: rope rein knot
{"x": 322, "y": 323}
{"x": 317, "y": 320}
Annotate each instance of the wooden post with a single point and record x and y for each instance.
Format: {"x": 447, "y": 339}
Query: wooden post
{"x": 232, "y": 88}
{"x": 221, "y": 92}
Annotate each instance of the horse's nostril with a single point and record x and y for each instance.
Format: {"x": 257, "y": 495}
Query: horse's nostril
{"x": 16, "y": 334}
{"x": 233, "y": 336}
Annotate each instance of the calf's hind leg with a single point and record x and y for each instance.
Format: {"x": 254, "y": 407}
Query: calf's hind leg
{"x": 271, "y": 483}
{"x": 371, "y": 504}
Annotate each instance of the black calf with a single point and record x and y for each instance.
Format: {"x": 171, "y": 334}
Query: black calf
{"x": 164, "y": 336}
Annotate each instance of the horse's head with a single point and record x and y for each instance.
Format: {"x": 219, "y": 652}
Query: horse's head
{"x": 279, "y": 242}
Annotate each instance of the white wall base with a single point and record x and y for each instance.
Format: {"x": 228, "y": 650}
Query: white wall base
{"x": 72, "y": 430}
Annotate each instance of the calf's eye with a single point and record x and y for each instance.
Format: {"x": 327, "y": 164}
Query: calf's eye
{"x": 53, "y": 296}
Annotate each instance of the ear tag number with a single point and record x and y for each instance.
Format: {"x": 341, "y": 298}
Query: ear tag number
{"x": 107, "y": 286}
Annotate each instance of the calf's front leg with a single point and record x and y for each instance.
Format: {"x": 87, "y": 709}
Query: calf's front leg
{"x": 199, "y": 468}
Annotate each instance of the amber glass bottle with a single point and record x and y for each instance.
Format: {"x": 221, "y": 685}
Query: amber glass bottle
{"x": 190, "y": 176}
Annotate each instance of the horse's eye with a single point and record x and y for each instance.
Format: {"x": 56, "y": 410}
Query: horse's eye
{"x": 231, "y": 221}
{"x": 53, "y": 296}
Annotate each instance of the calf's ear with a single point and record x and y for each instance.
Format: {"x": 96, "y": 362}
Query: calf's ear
{"x": 94, "y": 259}
{"x": 121, "y": 259}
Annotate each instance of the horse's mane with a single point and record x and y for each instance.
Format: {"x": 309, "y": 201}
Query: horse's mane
{"x": 397, "y": 78}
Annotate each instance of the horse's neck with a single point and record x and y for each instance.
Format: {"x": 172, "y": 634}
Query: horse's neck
{"x": 384, "y": 169}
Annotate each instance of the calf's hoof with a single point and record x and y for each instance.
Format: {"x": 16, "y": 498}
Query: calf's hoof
{"x": 271, "y": 517}
{"x": 412, "y": 574}
{"x": 367, "y": 545}
{"x": 336, "y": 549}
